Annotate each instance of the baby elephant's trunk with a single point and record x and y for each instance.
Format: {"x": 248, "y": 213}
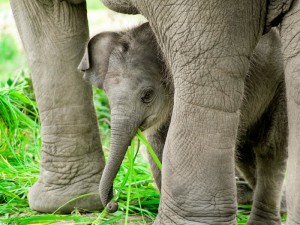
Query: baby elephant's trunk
{"x": 123, "y": 129}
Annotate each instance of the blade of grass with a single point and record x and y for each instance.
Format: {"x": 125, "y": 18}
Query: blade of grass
{"x": 142, "y": 138}
{"x": 131, "y": 161}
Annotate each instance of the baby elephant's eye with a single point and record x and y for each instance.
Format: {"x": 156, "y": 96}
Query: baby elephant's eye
{"x": 147, "y": 95}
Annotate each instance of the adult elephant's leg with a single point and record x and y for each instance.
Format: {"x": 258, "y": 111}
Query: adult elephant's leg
{"x": 290, "y": 31}
{"x": 207, "y": 45}
{"x": 54, "y": 34}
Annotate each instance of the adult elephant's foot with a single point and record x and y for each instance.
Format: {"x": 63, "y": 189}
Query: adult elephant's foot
{"x": 67, "y": 182}
{"x": 165, "y": 220}
{"x": 44, "y": 199}
{"x": 208, "y": 213}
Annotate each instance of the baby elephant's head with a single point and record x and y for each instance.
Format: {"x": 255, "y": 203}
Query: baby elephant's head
{"x": 129, "y": 67}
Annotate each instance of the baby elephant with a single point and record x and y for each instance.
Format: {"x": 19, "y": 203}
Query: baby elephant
{"x": 129, "y": 66}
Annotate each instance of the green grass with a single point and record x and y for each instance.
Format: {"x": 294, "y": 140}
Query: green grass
{"x": 19, "y": 146}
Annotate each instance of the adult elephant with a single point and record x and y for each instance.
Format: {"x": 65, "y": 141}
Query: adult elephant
{"x": 207, "y": 46}
{"x": 54, "y": 34}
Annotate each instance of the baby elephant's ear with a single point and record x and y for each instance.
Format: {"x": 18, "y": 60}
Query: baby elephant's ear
{"x": 95, "y": 61}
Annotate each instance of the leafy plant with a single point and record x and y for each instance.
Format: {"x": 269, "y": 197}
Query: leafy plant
{"x": 19, "y": 156}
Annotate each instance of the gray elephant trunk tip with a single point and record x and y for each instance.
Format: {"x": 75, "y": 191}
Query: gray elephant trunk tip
{"x": 112, "y": 206}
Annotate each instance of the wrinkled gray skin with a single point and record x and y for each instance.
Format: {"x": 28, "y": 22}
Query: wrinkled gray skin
{"x": 207, "y": 46}
{"x": 127, "y": 66}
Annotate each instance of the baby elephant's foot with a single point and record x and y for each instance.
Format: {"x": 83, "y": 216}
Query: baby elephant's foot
{"x": 265, "y": 222}
{"x": 244, "y": 193}
{"x": 261, "y": 214}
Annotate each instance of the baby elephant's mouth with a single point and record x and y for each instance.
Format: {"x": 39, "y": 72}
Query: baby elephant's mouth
{"x": 143, "y": 126}
{"x": 148, "y": 122}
